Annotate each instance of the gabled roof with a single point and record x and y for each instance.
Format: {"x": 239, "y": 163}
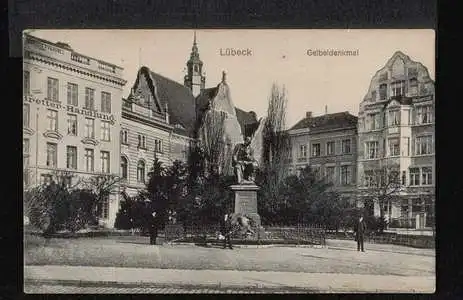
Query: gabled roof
{"x": 179, "y": 99}
{"x": 247, "y": 120}
{"x": 327, "y": 122}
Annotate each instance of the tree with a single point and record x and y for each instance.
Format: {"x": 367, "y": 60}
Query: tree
{"x": 213, "y": 142}
{"x": 157, "y": 190}
{"x": 383, "y": 186}
{"x": 275, "y": 150}
{"x": 101, "y": 186}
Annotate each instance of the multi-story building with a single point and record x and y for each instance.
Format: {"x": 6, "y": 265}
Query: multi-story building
{"x": 396, "y": 134}
{"x": 164, "y": 118}
{"x": 328, "y": 144}
{"x": 157, "y": 121}
{"x": 71, "y": 116}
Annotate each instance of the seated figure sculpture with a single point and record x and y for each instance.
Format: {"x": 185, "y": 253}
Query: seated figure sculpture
{"x": 244, "y": 163}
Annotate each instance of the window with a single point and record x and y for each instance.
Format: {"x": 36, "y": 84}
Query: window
{"x": 26, "y": 83}
{"x": 315, "y": 149}
{"x": 424, "y": 114}
{"x": 73, "y": 94}
{"x": 330, "y": 174}
{"x": 141, "y": 171}
{"x": 406, "y": 146}
{"x": 413, "y": 82}
{"x": 72, "y": 125}
{"x": 52, "y": 89}
{"x": 373, "y": 121}
{"x": 371, "y": 149}
{"x": 104, "y": 207}
{"x": 330, "y": 148}
{"x": 52, "y": 117}
{"x": 105, "y": 132}
{"x": 404, "y": 178}
{"x": 105, "y": 102}
{"x": 346, "y": 175}
{"x": 414, "y": 176}
{"x": 26, "y": 150}
{"x": 141, "y": 141}
{"x": 89, "y": 160}
{"x": 89, "y": 99}
{"x": 426, "y": 176}
{"x": 398, "y": 88}
{"x": 71, "y": 162}
{"x": 26, "y": 115}
{"x": 393, "y": 118}
{"x": 394, "y": 147}
{"x": 345, "y": 145}
{"x": 124, "y": 137}
{"x": 196, "y": 68}
{"x": 316, "y": 171}
{"x": 89, "y": 128}
{"x": 158, "y": 146}
{"x": 369, "y": 179}
{"x": 105, "y": 168}
{"x": 302, "y": 151}
{"x": 423, "y": 145}
{"x": 52, "y": 155}
{"x": 124, "y": 166}
{"x": 412, "y": 72}
{"x": 382, "y": 91}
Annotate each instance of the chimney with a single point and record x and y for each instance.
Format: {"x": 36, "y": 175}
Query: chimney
{"x": 326, "y": 109}
{"x": 308, "y": 114}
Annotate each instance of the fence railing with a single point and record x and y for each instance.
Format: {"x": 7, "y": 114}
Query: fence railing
{"x": 308, "y": 234}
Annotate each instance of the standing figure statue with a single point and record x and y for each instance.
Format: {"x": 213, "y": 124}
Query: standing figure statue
{"x": 244, "y": 163}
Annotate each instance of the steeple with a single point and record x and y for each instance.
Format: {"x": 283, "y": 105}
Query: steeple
{"x": 195, "y": 79}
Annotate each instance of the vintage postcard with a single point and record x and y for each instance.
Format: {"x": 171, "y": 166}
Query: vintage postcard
{"x": 229, "y": 161}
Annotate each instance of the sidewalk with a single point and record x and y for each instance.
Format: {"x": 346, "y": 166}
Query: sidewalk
{"x": 312, "y": 282}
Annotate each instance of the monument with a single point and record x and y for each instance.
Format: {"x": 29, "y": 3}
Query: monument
{"x": 245, "y": 189}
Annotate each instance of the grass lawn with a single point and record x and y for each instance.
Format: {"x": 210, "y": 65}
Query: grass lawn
{"x": 135, "y": 251}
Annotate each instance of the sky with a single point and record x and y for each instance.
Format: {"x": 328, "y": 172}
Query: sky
{"x": 313, "y": 83}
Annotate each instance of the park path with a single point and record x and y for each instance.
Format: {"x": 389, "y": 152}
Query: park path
{"x": 311, "y": 282}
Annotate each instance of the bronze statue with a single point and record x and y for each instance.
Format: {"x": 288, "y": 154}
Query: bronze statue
{"x": 244, "y": 163}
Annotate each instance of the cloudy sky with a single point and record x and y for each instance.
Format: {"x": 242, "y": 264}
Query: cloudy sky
{"x": 280, "y": 56}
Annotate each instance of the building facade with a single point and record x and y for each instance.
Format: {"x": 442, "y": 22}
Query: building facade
{"x": 154, "y": 124}
{"x": 71, "y": 116}
{"x": 396, "y": 134}
{"x": 328, "y": 144}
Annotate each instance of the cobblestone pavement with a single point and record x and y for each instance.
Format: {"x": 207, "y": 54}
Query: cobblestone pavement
{"x": 73, "y": 289}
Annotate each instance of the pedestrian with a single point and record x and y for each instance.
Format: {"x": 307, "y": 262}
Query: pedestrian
{"x": 359, "y": 230}
{"x": 153, "y": 228}
{"x": 226, "y": 228}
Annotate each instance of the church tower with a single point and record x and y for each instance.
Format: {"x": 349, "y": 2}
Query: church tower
{"x": 194, "y": 79}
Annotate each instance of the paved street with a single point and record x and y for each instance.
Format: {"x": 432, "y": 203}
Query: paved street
{"x": 104, "y": 265}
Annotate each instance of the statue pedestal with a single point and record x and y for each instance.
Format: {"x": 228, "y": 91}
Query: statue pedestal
{"x": 246, "y": 201}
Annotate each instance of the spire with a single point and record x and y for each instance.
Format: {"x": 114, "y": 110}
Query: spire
{"x": 194, "y": 49}
{"x": 224, "y": 76}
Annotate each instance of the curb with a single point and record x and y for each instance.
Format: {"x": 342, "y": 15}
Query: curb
{"x": 218, "y": 286}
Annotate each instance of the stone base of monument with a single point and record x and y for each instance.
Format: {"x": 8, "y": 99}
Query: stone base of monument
{"x": 246, "y": 204}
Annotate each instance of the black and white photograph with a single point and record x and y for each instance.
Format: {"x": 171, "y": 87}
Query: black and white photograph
{"x": 229, "y": 161}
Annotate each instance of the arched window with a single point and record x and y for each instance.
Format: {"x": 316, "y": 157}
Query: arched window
{"x": 196, "y": 68}
{"x": 141, "y": 171}
{"x": 124, "y": 165}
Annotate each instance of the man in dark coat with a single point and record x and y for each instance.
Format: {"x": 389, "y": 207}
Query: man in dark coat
{"x": 226, "y": 229}
{"x": 359, "y": 229}
{"x": 153, "y": 228}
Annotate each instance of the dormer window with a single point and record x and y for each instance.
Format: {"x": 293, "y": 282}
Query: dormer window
{"x": 382, "y": 91}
